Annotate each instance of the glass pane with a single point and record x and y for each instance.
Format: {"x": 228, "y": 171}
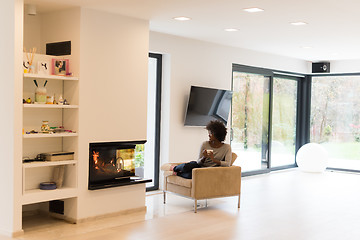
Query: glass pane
{"x": 335, "y": 119}
{"x": 250, "y": 119}
{"x": 283, "y": 122}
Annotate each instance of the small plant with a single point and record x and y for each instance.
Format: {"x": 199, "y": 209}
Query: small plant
{"x": 355, "y": 129}
{"x": 328, "y": 130}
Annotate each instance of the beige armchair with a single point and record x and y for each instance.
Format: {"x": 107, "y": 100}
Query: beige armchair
{"x": 206, "y": 183}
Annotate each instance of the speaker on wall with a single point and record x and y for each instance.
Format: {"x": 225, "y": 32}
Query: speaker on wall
{"x": 321, "y": 67}
{"x": 58, "y": 48}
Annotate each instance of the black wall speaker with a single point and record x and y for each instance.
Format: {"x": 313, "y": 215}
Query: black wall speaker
{"x": 321, "y": 67}
{"x": 58, "y": 48}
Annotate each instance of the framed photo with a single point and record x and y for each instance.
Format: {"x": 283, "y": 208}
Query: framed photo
{"x": 60, "y": 67}
{"x": 44, "y": 67}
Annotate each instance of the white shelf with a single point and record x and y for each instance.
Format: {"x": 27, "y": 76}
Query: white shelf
{"x": 38, "y": 195}
{"x": 54, "y": 77}
{"x": 49, "y": 106}
{"x": 48, "y": 163}
{"x": 49, "y": 135}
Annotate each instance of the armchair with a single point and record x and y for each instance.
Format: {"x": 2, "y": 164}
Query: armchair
{"x": 206, "y": 183}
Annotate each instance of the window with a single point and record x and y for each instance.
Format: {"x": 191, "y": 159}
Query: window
{"x": 335, "y": 119}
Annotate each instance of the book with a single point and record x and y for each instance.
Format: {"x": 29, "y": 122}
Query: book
{"x": 57, "y": 156}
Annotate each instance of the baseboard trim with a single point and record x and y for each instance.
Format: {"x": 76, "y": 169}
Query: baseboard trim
{"x": 12, "y": 234}
{"x": 123, "y": 212}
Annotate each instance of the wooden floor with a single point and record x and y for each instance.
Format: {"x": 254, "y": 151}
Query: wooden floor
{"x": 287, "y": 205}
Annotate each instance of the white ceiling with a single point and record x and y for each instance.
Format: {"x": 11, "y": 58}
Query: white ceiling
{"x": 332, "y": 31}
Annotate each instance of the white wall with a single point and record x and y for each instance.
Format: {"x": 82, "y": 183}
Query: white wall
{"x": 32, "y": 32}
{"x": 11, "y": 121}
{"x": 203, "y": 64}
{"x": 345, "y": 66}
{"x": 113, "y": 99}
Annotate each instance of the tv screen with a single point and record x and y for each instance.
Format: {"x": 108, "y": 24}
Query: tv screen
{"x": 206, "y": 104}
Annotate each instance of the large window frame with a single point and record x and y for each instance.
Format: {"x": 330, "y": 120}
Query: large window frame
{"x": 308, "y": 114}
{"x": 301, "y": 113}
{"x": 157, "y": 126}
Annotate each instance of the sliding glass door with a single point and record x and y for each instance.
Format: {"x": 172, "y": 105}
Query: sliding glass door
{"x": 284, "y": 115}
{"x": 335, "y": 119}
{"x": 264, "y": 119}
{"x": 250, "y": 120}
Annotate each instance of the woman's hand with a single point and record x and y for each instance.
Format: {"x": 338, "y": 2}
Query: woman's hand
{"x": 205, "y": 154}
{"x": 211, "y": 156}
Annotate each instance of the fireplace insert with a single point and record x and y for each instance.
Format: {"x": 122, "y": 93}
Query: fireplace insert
{"x": 111, "y": 162}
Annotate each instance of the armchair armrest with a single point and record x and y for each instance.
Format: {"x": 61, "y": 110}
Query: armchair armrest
{"x": 216, "y": 182}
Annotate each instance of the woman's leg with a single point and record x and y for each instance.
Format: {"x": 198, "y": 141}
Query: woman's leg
{"x": 185, "y": 169}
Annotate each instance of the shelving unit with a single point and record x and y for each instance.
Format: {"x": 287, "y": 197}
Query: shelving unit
{"x": 37, "y": 195}
{"x": 33, "y": 144}
{"x": 49, "y": 135}
{"x": 48, "y": 163}
{"x": 49, "y": 106}
{"x": 52, "y": 77}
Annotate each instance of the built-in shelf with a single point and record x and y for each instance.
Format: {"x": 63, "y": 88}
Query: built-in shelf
{"x": 48, "y": 163}
{"x": 38, "y": 195}
{"x": 54, "y": 77}
{"x": 49, "y": 135}
{"x": 49, "y": 106}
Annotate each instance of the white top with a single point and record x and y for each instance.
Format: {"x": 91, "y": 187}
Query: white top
{"x": 223, "y": 154}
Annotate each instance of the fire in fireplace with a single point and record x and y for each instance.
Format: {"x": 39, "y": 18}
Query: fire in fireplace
{"x": 111, "y": 162}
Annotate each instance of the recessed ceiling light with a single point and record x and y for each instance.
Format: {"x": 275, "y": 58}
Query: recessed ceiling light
{"x": 298, "y": 23}
{"x": 182, "y": 18}
{"x": 231, "y": 29}
{"x": 253, "y": 10}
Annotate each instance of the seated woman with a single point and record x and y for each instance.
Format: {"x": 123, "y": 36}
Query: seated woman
{"x": 213, "y": 153}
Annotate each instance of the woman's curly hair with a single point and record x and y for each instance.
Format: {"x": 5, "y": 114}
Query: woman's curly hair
{"x": 218, "y": 129}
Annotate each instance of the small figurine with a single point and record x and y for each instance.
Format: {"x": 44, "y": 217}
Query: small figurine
{"x": 61, "y": 100}
{"x": 28, "y": 100}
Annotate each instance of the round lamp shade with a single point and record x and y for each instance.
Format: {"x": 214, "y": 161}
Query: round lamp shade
{"x": 312, "y": 157}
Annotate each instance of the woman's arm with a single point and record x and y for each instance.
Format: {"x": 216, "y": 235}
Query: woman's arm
{"x": 202, "y": 154}
{"x": 228, "y": 157}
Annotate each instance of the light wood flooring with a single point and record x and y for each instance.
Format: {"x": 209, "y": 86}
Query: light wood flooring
{"x": 284, "y": 205}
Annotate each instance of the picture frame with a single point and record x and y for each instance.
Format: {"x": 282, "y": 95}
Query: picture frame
{"x": 60, "y": 67}
{"x": 43, "y": 67}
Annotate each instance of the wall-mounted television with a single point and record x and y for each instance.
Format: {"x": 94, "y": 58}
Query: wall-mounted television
{"x": 206, "y": 104}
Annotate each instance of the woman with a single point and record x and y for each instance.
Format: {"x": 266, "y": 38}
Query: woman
{"x": 213, "y": 153}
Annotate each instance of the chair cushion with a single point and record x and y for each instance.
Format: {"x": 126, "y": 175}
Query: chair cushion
{"x": 179, "y": 181}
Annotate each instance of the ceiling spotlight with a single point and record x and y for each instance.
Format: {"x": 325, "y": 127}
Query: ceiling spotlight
{"x": 182, "y": 18}
{"x": 253, "y": 10}
{"x": 298, "y": 23}
{"x": 231, "y": 29}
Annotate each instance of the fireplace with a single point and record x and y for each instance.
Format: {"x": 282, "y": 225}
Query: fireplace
{"x": 111, "y": 164}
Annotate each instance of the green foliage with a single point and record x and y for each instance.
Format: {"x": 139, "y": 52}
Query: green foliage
{"x": 328, "y": 130}
{"x": 139, "y": 155}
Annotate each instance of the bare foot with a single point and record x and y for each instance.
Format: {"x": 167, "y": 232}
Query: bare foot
{"x": 172, "y": 167}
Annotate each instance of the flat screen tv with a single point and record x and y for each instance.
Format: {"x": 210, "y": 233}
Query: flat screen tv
{"x": 206, "y": 104}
